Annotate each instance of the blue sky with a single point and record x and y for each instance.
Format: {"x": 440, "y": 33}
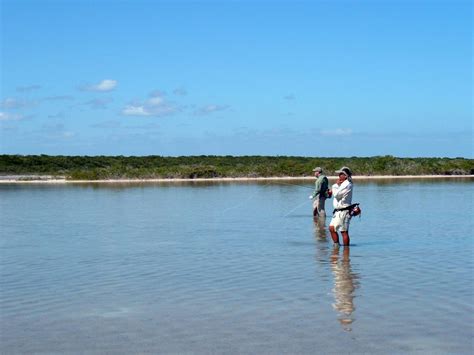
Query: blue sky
{"x": 306, "y": 78}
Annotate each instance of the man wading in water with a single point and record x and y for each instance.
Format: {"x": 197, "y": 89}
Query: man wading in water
{"x": 319, "y": 195}
{"x": 342, "y": 194}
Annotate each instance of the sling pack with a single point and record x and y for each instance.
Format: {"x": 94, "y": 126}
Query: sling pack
{"x": 354, "y": 209}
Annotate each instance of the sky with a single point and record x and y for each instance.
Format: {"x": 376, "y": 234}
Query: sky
{"x": 336, "y": 78}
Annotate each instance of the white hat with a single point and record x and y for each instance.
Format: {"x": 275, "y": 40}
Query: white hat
{"x": 344, "y": 170}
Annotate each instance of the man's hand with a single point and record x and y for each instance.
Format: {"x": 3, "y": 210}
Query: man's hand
{"x": 341, "y": 179}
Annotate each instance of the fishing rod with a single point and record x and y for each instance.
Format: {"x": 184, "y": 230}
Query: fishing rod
{"x": 296, "y": 185}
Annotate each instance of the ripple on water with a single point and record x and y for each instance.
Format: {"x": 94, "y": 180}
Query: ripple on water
{"x": 135, "y": 270}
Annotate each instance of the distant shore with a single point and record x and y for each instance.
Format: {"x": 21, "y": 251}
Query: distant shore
{"x": 39, "y": 168}
{"x": 29, "y": 179}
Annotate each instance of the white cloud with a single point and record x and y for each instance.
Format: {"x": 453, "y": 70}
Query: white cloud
{"x": 289, "y": 97}
{"x": 131, "y": 110}
{"x": 337, "y": 132}
{"x": 68, "y": 134}
{"x": 12, "y": 103}
{"x": 155, "y": 105}
{"x": 208, "y": 109}
{"x": 155, "y": 101}
{"x": 103, "y": 86}
{"x": 5, "y": 116}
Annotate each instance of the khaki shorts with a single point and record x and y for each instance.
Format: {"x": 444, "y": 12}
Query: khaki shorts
{"x": 340, "y": 221}
{"x": 319, "y": 203}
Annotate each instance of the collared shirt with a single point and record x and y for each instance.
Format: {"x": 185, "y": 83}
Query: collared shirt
{"x": 320, "y": 186}
{"x": 342, "y": 194}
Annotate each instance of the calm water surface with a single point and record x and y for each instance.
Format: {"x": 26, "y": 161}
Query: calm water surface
{"x": 234, "y": 268}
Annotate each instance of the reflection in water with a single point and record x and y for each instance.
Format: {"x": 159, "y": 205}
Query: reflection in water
{"x": 320, "y": 226}
{"x": 322, "y": 246}
{"x": 345, "y": 283}
{"x": 323, "y": 249}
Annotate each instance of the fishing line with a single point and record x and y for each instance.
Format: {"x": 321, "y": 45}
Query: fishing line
{"x": 242, "y": 202}
{"x": 238, "y": 204}
{"x": 295, "y": 185}
{"x": 301, "y": 204}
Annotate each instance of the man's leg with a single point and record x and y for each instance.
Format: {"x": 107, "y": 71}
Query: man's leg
{"x": 345, "y": 238}
{"x": 345, "y": 228}
{"x": 334, "y": 235}
{"x": 315, "y": 213}
{"x": 316, "y": 208}
{"x": 322, "y": 212}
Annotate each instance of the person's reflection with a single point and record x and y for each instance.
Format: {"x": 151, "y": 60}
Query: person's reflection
{"x": 323, "y": 249}
{"x": 345, "y": 283}
{"x": 320, "y": 227}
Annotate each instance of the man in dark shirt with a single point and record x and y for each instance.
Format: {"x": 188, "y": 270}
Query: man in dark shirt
{"x": 319, "y": 194}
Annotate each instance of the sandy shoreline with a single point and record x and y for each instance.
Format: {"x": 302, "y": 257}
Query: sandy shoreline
{"x": 55, "y": 180}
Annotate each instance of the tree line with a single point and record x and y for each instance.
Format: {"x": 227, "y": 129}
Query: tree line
{"x": 210, "y": 166}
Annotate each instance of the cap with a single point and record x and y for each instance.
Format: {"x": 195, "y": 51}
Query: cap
{"x": 318, "y": 169}
{"x": 344, "y": 170}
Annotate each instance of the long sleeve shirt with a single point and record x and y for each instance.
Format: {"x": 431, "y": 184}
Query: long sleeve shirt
{"x": 320, "y": 186}
{"x": 342, "y": 194}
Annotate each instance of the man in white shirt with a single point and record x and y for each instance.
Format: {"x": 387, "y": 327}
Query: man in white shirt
{"x": 342, "y": 194}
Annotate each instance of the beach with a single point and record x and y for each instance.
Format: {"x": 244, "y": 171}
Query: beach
{"x": 48, "y": 179}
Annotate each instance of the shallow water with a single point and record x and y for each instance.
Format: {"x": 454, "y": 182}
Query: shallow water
{"x": 234, "y": 268}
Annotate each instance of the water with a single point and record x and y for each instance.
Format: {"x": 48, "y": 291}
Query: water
{"x": 234, "y": 268}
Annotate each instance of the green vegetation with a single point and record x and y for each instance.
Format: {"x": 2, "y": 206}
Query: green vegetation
{"x": 149, "y": 167}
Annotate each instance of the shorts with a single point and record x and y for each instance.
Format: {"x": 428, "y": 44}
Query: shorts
{"x": 319, "y": 203}
{"x": 340, "y": 221}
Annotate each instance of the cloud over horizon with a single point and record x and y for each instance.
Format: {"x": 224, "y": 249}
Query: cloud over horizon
{"x": 5, "y": 116}
{"x": 103, "y": 86}
{"x": 208, "y": 109}
{"x": 155, "y": 105}
{"x": 337, "y": 132}
{"x": 13, "y": 104}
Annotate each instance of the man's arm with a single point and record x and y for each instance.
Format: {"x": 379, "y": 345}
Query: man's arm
{"x": 342, "y": 190}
